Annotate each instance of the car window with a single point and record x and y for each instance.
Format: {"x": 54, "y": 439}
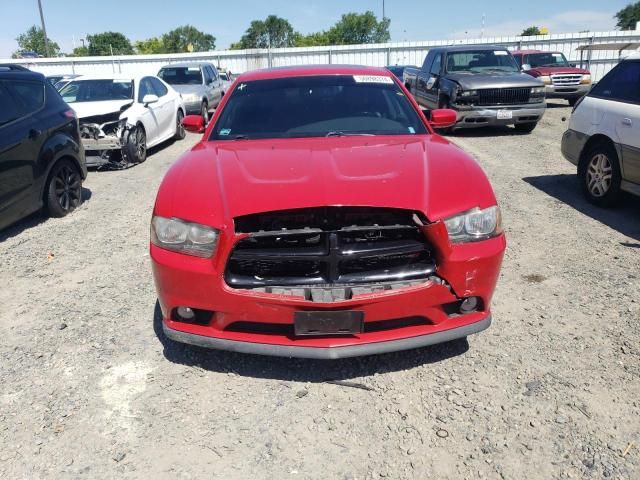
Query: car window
{"x": 181, "y": 75}
{"x": 213, "y": 72}
{"x": 158, "y": 87}
{"x": 622, "y": 83}
{"x": 547, "y": 59}
{"x": 146, "y": 88}
{"x": 437, "y": 63}
{"x": 481, "y": 61}
{"x": 29, "y": 96}
{"x": 207, "y": 75}
{"x": 223, "y": 76}
{"x": 97, "y": 90}
{"x": 10, "y": 110}
{"x": 317, "y": 106}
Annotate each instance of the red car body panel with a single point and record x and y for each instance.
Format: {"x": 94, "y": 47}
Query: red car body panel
{"x": 217, "y": 181}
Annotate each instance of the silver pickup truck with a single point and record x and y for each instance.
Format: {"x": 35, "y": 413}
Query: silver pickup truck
{"x": 483, "y": 84}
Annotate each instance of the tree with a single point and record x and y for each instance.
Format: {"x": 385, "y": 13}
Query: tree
{"x": 179, "y": 40}
{"x": 531, "y": 31}
{"x": 80, "y": 52}
{"x": 355, "y": 28}
{"x": 150, "y": 46}
{"x": 317, "y": 39}
{"x": 106, "y": 42}
{"x": 628, "y": 17}
{"x": 273, "y": 32}
{"x": 33, "y": 41}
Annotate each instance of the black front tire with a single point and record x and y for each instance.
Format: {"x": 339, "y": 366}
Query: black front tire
{"x": 600, "y": 176}
{"x": 204, "y": 111}
{"x": 525, "y": 127}
{"x": 180, "y": 132}
{"x": 64, "y": 189}
{"x": 136, "y": 147}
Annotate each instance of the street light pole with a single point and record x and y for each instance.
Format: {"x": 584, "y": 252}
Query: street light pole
{"x": 383, "y": 15}
{"x": 44, "y": 30}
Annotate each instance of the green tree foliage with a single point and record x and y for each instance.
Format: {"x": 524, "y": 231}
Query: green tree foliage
{"x": 103, "y": 43}
{"x": 80, "y": 52}
{"x": 531, "y": 31}
{"x": 628, "y": 17}
{"x": 355, "y": 28}
{"x": 33, "y": 41}
{"x": 273, "y": 32}
{"x": 179, "y": 39}
{"x": 150, "y": 46}
{"x": 317, "y": 39}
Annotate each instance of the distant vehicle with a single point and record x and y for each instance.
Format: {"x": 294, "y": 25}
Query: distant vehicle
{"x": 59, "y": 81}
{"x": 123, "y": 116}
{"x": 483, "y": 84}
{"x": 603, "y": 138}
{"x": 41, "y": 158}
{"x": 561, "y": 79}
{"x": 198, "y": 83}
{"x": 398, "y": 70}
{"x": 28, "y": 54}
{"x": 226, "y": 81}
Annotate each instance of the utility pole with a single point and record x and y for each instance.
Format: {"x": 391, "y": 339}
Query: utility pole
{"x": 44, "y": 30}
{"x": 383, "y": 15}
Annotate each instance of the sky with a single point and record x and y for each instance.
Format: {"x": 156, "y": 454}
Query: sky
{"x": 411, "y": 20}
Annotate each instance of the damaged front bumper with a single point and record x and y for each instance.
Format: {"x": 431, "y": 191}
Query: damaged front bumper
{"x": 105, "y": 143}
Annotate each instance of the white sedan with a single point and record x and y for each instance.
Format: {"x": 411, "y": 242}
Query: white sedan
{"x": 122, "y": 116}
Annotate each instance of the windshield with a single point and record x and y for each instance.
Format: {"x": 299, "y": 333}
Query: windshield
{"x": 181, "y": 75}
{"x": 223, "y": 76}
{"x": 97, "y": 90}
{"x": 318, "y": 106}
{"x": 481, "y": 61}
{"x": 550, "y": 59}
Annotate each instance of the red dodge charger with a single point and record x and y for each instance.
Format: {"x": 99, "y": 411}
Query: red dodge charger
{"x": 320, "y": 216}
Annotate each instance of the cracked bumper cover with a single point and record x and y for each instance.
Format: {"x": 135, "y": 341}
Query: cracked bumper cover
{"x": 470, "y": 117}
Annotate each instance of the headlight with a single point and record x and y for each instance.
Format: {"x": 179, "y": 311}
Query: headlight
{"x": 474, "y": 225}
{"x": 191, "y": 98}
{"x": 469, "y": 93}
{"x": 546, "y": 79}
{"x": 586, "y": 79}
{"x": 184, "y": 237}
{"x": 537, "y": 90}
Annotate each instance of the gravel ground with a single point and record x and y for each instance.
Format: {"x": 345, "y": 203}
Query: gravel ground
{"x": 91, "y": 388}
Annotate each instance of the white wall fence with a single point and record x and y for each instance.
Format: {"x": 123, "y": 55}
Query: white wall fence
{"x": 600, "y": 62}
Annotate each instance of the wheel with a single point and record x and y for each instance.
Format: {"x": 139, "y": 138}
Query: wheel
{"x": 64, "y": 189}
{"x": 204, "y": 111}
{"x": 525, "y": 127}
{"x": 136, "y": 148}
{"x": 180, "y": 133}
{"x": 599, "y": 173}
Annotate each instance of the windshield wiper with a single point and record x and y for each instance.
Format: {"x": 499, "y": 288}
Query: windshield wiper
{"x": 240, "y": 137}
{"x": 338, "y": 133}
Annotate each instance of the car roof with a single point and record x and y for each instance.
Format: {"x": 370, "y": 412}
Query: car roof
{"x": 10, "y": 71}
{"x": 120, "y": 77}
{"x": 464, "y": 48}
{"x": 633, "y": 56}
{"x": 186, "y": 64}
{"x": 527, "y": 52}
{"x": 313, "y": 70}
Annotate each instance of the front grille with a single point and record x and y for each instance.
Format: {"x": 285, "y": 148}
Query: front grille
{"x": 566, "y": 80}
{"x": 503, "y": 96}
{"x": 328, "y": 246}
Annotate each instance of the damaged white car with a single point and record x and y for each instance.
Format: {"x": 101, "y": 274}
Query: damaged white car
{"x": 122, "y": 116}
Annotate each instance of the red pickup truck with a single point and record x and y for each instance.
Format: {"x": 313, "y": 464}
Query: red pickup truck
{"x": 561, "y": 79}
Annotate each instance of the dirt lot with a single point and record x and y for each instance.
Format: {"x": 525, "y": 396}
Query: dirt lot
{"x": 91, "y": 388}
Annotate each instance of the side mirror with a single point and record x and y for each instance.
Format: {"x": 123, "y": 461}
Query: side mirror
{"x": 149, "y": 98}
{"x": 526, "y": 67}
{"x": 443, "y": 118}
{"x": 193, "y": 123}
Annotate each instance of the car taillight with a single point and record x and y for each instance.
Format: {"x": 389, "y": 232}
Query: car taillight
{"x": 69, "y": 113}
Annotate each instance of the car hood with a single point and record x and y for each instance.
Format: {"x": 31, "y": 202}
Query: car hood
{"x": 217, "y": 181}
{"x": 473, "y": 81}
{"x": 91, "y": 109}
{"x": 188, "y": 89}
{"x": 556, "y": 71}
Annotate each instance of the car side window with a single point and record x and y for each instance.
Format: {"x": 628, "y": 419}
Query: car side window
{"x": 28, "y": 96}
{"x": 159, "y": 87}
{"x": 621, "y": 84}
{"x": 426, "y": 66}
{"x": 437, "y": 64}
{"x": 207, "y": 75}
{"x": 10, "y": 110}
{"x": 214, "y": 73}
{"x": 146, "y": 88}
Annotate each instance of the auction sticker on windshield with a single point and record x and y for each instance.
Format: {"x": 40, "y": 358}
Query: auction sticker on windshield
{"x": 372, "y": 79}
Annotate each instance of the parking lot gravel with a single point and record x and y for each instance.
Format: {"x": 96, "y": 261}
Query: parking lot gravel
{"x": 92, "y": 389}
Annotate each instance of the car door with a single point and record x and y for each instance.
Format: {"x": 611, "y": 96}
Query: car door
{"x": 217, "y": 84}
{"x": 208, "y": 85}
{"x": 422, "y": 77}
{"x": 165, "y": 109}
{"x": 149, "y": 114}
{"x": 432, "y": 85}
{"x": 627, "y": 92}
{"x": 21, "y": 140}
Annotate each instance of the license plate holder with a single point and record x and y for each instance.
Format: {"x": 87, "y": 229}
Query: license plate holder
{"x": 319, "y": 323}
{"x": 505, "y": 114}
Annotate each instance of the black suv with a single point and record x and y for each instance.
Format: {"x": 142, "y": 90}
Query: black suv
{"x": 41, "y": 158}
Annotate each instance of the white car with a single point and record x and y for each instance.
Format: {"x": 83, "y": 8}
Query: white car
{"x": 603, "y": 138}
{"x": 123, "y": 116}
